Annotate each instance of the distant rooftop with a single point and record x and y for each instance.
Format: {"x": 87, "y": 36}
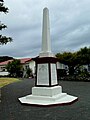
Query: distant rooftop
{"x": 5, "y": 62}
{"x": 22, "y": 61}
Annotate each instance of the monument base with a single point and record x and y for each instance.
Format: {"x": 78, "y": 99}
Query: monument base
{"x": 48, "y": 96}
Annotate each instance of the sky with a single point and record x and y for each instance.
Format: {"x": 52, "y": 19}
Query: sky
{"x": 69, "y": 26}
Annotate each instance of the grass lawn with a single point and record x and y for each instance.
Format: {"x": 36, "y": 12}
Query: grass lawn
{"x": 6, "y": 81}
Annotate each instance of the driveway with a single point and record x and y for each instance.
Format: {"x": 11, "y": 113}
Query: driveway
{"x": 12, "y": 109}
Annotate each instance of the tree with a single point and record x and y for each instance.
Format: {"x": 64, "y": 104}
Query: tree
{"x": 28, "y": 72}
{"x": 75, "y": 60}
{"x": 3, "y": 39}
{"x": 67, "y": 58}
{"x": 14, "y": 68}
{"x": 5, "y": 58}
{"x": 84, "y": 55}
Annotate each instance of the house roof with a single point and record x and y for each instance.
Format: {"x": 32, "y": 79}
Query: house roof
{"x": 5, "y": 62}
{"x": 22, "y": 61}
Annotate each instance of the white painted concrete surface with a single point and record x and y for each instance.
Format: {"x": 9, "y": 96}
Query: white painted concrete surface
{"x": 47, "y": 96}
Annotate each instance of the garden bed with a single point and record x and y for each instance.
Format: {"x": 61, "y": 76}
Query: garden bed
{"x": 75, "y": 78}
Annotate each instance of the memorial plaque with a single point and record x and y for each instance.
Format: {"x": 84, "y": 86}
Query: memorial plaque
{"x": 42, "y": 74}
{"x": 53, "y": 74}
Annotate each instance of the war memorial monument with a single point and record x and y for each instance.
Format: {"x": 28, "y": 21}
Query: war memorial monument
{"x": 47, "y": 91}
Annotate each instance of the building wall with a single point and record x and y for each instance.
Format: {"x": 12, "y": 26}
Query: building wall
{"x": 25, "y": 66}
{"x": 32, "y": 66}
{"x": 3, "y": 68}
{"x": 61, "y": 66}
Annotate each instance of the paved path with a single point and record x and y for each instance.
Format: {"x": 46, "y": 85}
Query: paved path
{"x": 11, "y": 109}
{"x": 0, "y": 94}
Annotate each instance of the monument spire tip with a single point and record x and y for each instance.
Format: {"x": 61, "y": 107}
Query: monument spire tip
{"x": 45, "y": 8}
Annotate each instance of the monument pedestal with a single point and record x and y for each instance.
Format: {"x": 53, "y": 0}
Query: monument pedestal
{"x": 47, "y": 92}
{"x": 46, "y": 72}
{"x": 48, "y": 96}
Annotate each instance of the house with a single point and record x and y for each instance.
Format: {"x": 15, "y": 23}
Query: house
{"x": 25, "y": 62}
{"x": 3, "y": 70}
{"x": 61, "y": 66}
{"x": 61, "y": 69}
{"x": 28, "y": 63}
{"x": 3, "y": 65}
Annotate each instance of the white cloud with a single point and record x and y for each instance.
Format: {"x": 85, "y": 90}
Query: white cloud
{"x": 69, "y": 25}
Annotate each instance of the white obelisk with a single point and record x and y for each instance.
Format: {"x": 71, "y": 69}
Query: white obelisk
{"x": 46, "y": 41}
{"x": 47, "y": 91}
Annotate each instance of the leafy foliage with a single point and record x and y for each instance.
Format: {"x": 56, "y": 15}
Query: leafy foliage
{"x": 2, "y": 7}
{"x": 83, "y": 55}
{"x": 29, "y": 72}
{"x": 14, "y": 68}
{"x": 75, "y": 60}
{"x": 5, "y": 58}
{"x": 3, "y": 39}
